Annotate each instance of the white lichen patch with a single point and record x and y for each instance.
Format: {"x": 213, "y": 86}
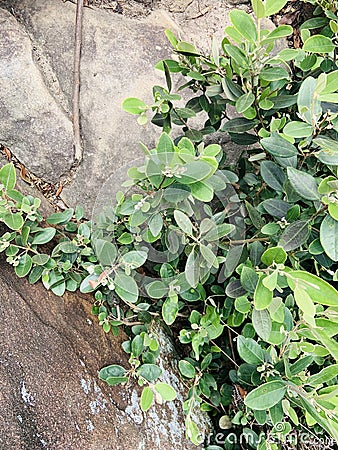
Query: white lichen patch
{"x": 85, "y": 384}
{"x": 90, "y": 426}
{"x": 133, "y": 410}
{"x": 26, "y": 396}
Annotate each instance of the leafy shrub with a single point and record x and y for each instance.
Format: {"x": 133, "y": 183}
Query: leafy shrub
{"x": 238, "y": 260}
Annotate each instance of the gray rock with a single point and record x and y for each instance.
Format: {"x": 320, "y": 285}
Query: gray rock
{"x": 51, "y": 397}
{"x": 117, "y": 61}
{"x": 32, "y": 123}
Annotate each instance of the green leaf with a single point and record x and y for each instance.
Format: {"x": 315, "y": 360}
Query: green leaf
{"x": 274, "y": 74}
{"x": 318, "y": 44}
{"x": 242, "y": 305}
{"x": 147, "y": 398}
{"x": 170, "y": 309}
{"x": 258, "y": 8}
{"x": 244, "y": 24}
{"x": 324, "y": 376}
{"x": 274, "y": 255}
{"x": 35, "y": 274}
{"x": 8, "y": 176}
{"x": 155, "y": 224}
{"x": 238, "y": 125}
{"x": 149, "y": 371}
{"x": 244, "y": 102}
{"x": 273, "y": 175}
{"x": 280, "y": 32}
{"x": 202, "y": 191}
{"x": 301, "y": 364}
{"x": 276, "y": 145}
{"x": 318, "y": 289}
{"x": 195, "y": 171}
{"x": 167, "y": 392}
{"x": 156, "y": 289}
{"x": 309, "y": 105}
{"x": 137, "y": 345}
{"x": 42, "y": 237}
{"x": 126, "y": 287}
{"x": 60, "y": 218}
{"x": 262, "y": 323}
{"x": 298, "y": 129}
{"x": 187, "y": 369}
{"x": 183, "y": 222}
{"x": 192, "y": 269}
{"x": 303, "y": 183}
{"x": 266, "y": 396}
{"x": 250, "y": 351}
{"x": 89, "y": 283}
{"x": 112, "y": 371}
{"x": 331, "y": 83}
{"x": 249, "y": 279}
{"x": 305, "y": 304}
{"x": 329, "y": 237}
{"x": 274, "y": 6}
{"x": 24, "y": 266}
{"x": 295, "y": 235}
{"x": 40, "y": 259}
{"x": 134, "y": 105}
{"x": 262, "y": 296}
{"x": 14, "y": 221}
{"x": 105, "y": 251}
{"x": 165, "y": 144}
{"x": 134, "y": 258}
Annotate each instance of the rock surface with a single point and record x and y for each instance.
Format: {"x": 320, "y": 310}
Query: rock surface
{"x": 33, "y": 125}
{"x": 51, "y": 397}
{"x": 117, "y": 61}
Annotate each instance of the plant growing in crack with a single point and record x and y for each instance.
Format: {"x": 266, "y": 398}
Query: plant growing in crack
{"x": 237, "y": 261}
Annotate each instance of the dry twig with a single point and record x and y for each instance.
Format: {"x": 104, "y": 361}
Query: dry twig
{"x": 76, "y": 87}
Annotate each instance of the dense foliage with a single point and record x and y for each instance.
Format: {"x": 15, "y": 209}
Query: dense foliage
{"x": 238, "y": 259}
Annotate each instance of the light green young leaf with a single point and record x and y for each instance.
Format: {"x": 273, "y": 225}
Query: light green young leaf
{"x": 305, "y": 304}
{"x": 319, "y": 290}
{"x": 244, "y": 24}
{"x": 183, "y": 222}
{"x": 258, "y": 8}
{"x": 134, "y": 105}
{"x": 318, "y": 44}
{"x": 167, "y": 392}
{"x": 262, "y": 296}
{"x": 14, "y": 221}
{"x": 273, "y": 6}
{"x": 8, "y": 176}
{"x": 329, "y": 237}
{"x": 147, "y": 398}
{"x": 274, "y": 255}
